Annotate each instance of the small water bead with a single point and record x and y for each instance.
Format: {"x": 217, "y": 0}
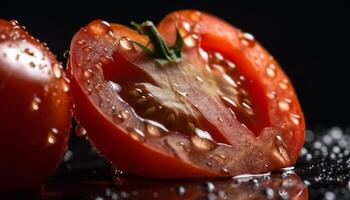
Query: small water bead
{"x": 247, "y": 39}
{"x": 271, "y": 95}
{"x": 104, "y": 59}
{"x": 3, "y": 36}
{"x": 100, "y": 27}
{"x": 126, "y": 43}
{"x": 51, "y": 139}
{"x": 137, "y": 135}
{"x": 191, "y": 40}
{"x": 35, "y": 103}
{"x": 87, "y": 49}
{"x": 284, "y": 104}
{"x": 202, "y": 143}
{"x": 81, "y": 42}
{"x": 124, "y": 114}
{"x": 28, "y": 52}
{"x": 207, "y": 186}
{"x": 184, "y": 28}
{"x": 54, "y": 131}
{"x": 80, "y": 131}
{"x": 282, "y": 148}
{"x": 295, "y": 118}
{"x": 57, "y": 70}
{"x": 283, "y": 84}
{"x": 196, "y": 16}
{"x": 181, "y": 190}
{"x": 115, "y": 86}
{"x": 248, "y": 109}
{"x": 269, "y": 193}
{"x": 65, "y": 86}
{"x": 66, "y": 54}
{"x": 68, "y": 155}
{"x": 152, "y": 130}
{"x": 271, "y": 70}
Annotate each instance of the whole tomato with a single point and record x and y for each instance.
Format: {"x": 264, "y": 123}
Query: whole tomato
{"x": 35, "y": 109}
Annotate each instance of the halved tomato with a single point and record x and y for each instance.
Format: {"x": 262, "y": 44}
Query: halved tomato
{"x": 203, "y": 100}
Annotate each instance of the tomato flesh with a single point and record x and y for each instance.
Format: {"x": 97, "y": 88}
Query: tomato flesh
{"x": 206, "y": 115}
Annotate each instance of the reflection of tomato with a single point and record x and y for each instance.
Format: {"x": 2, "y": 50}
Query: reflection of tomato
{"x": 224, "y": 108}
{"x": 34, "y": 109}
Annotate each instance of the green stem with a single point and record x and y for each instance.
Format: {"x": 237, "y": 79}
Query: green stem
{"x": 161, "y": 53}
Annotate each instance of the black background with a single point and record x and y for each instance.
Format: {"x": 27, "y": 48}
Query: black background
{"x": 307, "y": 38}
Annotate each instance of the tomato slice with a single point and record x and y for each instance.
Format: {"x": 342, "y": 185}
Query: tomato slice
{"x": 223, "y": 109}
{"x": 35, "y": 109}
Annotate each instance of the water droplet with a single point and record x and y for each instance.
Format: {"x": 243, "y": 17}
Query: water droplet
{"x": 100, "y": 27}
{"x": 248, "y": 109}
{"x": 202, "y": 143}
{"x": 195, "y": 16}
{"x": 282, "y": 148}
{"x": 230, "y": 101}
{"x": 115, "y": 86}
{"x": 68, "y": 155}
{"x": 124, "y": 114}
{"x": 152, "y": 130}
{"x": 271, "y": 95}
{"x": 137, "y": 134}
{"x": 51, "y": 139}
{"x": 14, "y": 22}
{"x": 247, "y": 39}
{"x": 104, "y": 59}
{"x": 3, "y": 36}
{"x": 87, "y": 49}
{"x": 191, "y": 40}
{"x": 271, "y": 70}
{"x": 283, "y": 85}
{"x": 184, "y": 28}
{"x": 66, "y": 54}
{"x": 181, "y": 190}
{"x": 126, "y": 43}
{"x": 57, "y": 70}
{"x": 80, "y": 131}
{"x": 54, "y": 131}
{"x": 65, "y": 86}
{"x": 207, "y": 186}
{"x": 295, "y": 118}
{"x": 81, "y": 42}
{"x": 35, "y": 103}
{"x": 284, "y": 105}
{"x": 270, "y": 193}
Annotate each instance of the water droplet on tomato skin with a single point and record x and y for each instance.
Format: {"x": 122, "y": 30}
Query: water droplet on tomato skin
{"x": 295, "y": 118}
{"x": 51, "y": 139}
{"x": 271, "y": 70}
{"x": 196, "y": 16}
{"x": 125, "y": 114}
{"x": 35, "y": 103}
{"x": 100, "y": 28}
{"x": 281, "y": 148}
{"x": 247, "y": 39}
{"x": 137, "y": 135}
{"x": 284, "y": 104}
{"x": 191, "y": 40}
{"x": 87, "y": 49}
{"x": 126, "y": 43}
{"x": 57, "y": 71}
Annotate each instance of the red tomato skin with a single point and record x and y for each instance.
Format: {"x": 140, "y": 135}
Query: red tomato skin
{"x": 35, "y": 110}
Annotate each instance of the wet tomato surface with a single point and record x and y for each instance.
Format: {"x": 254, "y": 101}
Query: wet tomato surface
{"x": 219, "y": 105}
{"x": 35, "y": 109}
